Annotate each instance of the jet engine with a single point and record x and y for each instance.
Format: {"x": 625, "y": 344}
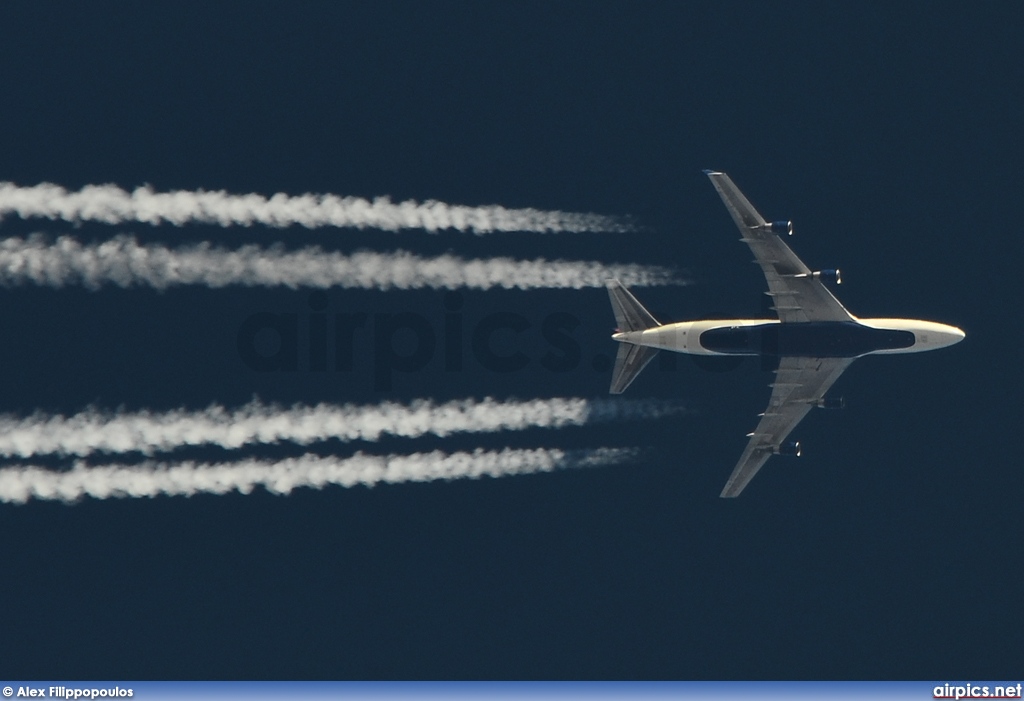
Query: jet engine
{"x": 831, "y": 403}
{"x": 781, "y": 227}
{"x": 832, "y": 276}
{"x": 789, "y": 448}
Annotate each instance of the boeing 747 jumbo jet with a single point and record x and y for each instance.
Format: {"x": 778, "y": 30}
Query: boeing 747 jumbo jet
{"x": 811, "y": 343}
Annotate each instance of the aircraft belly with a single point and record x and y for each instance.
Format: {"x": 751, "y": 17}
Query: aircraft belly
{"x": 804, "y": 340}
{"x": 671, "y": 337}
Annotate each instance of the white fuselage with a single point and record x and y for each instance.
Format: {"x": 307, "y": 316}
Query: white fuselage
{"x": 844, "y": 339}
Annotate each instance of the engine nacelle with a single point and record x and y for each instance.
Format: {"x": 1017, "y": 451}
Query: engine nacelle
{"x": 789, "y": 448}
{"x": 831, "y": 403}
{"x": 833, "y": 276}
{"x": 781, "y": 227}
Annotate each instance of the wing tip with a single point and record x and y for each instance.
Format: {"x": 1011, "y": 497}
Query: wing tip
{"x": 708, "y": 172}
{"x": 730, "y": 491}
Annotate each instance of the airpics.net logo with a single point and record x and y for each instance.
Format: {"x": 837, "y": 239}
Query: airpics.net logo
{"x": 68, "y": 692}
{"x": 977, "y": 691}
{"x": 319, "y": 338}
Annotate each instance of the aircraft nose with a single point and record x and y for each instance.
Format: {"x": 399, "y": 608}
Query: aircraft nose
{"x": 953, "y": 335}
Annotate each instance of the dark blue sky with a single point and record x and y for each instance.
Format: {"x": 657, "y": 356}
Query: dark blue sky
{"x": 888, "y": 134}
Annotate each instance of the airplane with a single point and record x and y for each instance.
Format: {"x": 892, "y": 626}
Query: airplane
{"x": 810, "y": 344}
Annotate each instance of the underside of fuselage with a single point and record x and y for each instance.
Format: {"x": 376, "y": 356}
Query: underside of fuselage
{"x": 812, "y": 339}
{"x": 816, "y": 339}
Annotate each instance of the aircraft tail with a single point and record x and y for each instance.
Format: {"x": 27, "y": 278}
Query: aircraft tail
{"x": 630, "y": 315}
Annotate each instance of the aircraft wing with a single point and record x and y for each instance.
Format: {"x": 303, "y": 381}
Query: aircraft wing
{"x": 796, "y": 298}
{"x": 799, "y": 384}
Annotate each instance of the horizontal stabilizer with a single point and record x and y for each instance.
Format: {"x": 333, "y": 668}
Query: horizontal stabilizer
{"x": 628, "y": 364}
{"x": 630, "y": 315}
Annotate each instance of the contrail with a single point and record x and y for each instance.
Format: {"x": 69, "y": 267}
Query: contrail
{"x": 147, "y": 432}
{"x": 20, "y": 484}
{"x": 122, "y": 261}
{"x": 112, "y": 205}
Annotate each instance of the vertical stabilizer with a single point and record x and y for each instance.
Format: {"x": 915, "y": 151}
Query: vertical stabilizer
{"x": 630, "y": 315}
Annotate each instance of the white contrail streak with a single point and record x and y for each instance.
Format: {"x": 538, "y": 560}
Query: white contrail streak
{"x": 148, "y": 432}
{"x": 20, "y": 484}
{"x": 112, "y": 205}
{"x": 122, "y": 261}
